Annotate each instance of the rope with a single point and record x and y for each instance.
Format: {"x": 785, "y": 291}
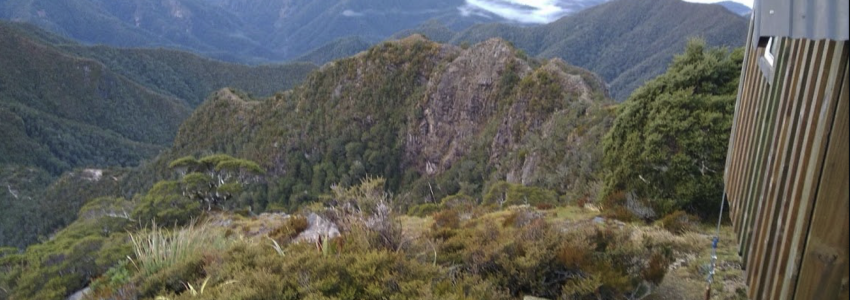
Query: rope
{"x": 714, "y": 249}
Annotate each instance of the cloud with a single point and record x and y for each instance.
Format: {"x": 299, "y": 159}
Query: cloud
{"x": 351, "y": 13}
{"x": 523, "y": 11}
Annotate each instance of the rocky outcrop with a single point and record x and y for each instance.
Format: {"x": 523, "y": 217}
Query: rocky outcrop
{"x": 319, "y": 227}
{"x": 460, "y": 100}
{"x": 479, "y": 88}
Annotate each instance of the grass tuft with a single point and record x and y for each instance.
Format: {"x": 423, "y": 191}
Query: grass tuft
{"x": 157, "y": 248}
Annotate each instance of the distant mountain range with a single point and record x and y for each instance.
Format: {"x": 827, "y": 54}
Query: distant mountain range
{"x": 736, "y": 7}
{"x": 627, "y": 42}
{"x": 261, "y": 30}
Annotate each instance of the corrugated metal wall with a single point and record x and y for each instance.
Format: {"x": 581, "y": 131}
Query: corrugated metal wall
{"x": 811, "y": 19}
{"x": 787, "y": 170}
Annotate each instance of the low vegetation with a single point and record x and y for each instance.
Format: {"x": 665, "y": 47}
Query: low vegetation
{"x": 462, "y": 252}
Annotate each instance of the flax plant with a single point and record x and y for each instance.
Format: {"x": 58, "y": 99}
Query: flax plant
{"x": 158, "y": 248}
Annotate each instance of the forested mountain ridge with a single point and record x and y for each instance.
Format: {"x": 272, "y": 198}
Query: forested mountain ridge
{"x": 125, "y": 96}
{"x": 433, "y": 119}
{"x": 65, "y": 106}
{"x": 55, "y": 102}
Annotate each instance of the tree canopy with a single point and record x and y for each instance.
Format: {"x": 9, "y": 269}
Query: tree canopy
{"x": 667, "y": 147}
{"x": 214, "y": 179}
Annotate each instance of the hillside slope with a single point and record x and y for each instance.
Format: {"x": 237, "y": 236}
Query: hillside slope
{"x": 65, "y": 106}
{"x": 76, "y": 111}
{"x": 109, "y": 106}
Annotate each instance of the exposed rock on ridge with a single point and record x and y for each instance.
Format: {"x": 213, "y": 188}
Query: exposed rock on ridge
{"x": 414, "y": 111}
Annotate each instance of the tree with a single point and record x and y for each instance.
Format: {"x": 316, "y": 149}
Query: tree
{"x": 214, "y": 179}
{"x": 164, "y": 204}
{"x": 667, "y": 147}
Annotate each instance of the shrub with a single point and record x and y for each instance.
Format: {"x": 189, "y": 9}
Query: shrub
{"x": 581, "y": 202}
{"x": 544, "y": 206}
{"x": 165, "y": 204}
{"x": 172, "y": 278}
{"x": 679, "y": 222}
{"x": 448, "y": 218}
{"x": 574, "y": 255}
{"x": 424, "y": 209}
{"x": 521, "y": 217}
{"x": 504, "y": 193}
{"x": 656, "y": 268}
{"x": 619, "y": 213}
{"x": 114, "y": 284}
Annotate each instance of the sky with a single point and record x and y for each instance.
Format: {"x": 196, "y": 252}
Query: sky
{"x": 538, "y": 11}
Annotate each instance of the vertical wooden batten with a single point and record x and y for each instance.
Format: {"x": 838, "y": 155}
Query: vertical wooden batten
{"x": 786, "y": 175}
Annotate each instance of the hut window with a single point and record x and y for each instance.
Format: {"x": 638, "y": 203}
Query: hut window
{"x": 767, "y": 62}
{"x": 770, "y": 50}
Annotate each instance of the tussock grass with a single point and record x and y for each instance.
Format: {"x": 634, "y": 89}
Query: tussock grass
{"x": 158, "y": 248}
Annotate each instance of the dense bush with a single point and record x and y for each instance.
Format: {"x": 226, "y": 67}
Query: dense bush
{"x": 667, "y": 147}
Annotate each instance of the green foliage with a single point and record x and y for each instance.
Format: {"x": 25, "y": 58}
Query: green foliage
{"x": 214, "y": 179}
{"x": 78, "y": 253}
{"x": 69, "y": 106}
{"x": 668, "y": 143}
{"x": 117, "y": 276}
{"x": 423, "y": 210}
{"x": 33, "y": 208}
{"x": 157, "y": 249}
{"x": 350, "y": 120}
{"x": 165, "y": 204}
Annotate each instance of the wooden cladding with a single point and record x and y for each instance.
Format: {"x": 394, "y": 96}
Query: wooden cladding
{"x": 787, "y": 171}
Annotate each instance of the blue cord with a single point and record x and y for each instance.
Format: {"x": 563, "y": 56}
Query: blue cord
{"x": 714, "y": 243}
